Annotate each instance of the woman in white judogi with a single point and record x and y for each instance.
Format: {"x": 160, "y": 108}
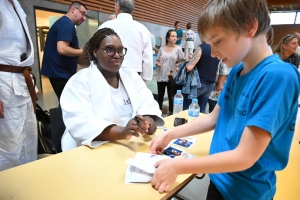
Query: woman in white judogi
{"x": 104, "y": 102}
{"x": 18, "y": 130}
{"x": 189, "y": 36}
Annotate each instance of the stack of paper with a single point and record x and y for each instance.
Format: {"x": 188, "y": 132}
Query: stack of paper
{"x": 141, "y": 168}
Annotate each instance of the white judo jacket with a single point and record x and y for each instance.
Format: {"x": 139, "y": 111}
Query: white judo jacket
{"x": 87, "y": 108}
{"x": 18, "y": 130}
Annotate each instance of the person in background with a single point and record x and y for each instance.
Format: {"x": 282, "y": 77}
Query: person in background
{"x": 135, "y": 36}
{"x": 167, "y": 58}
{"x": 270, "y": 37}
{"x": 255, "y": 117}
{"x": 207, "y": 67}
{"x": 179, "y": 33}
{"x": 106, "y": 102}
{"x": 189, "y": 36}
{"x": 62, "y": 49}
{"x": 286, "y": 49}
{"x": 298, "y": 37}
{"x": 222, "y": 74}
{"x": 18, "y": 128}
{"x": 112, "y": 17}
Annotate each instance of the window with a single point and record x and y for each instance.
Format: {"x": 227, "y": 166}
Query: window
{"x": 297, "y": 18}
{"x": 283, "y": 18}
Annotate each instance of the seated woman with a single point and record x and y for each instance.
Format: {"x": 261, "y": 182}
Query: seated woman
{"x": 106, "y": 102}
{"x": 286, "y": 49}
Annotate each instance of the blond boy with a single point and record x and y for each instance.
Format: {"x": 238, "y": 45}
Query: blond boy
{"x": 255, "y": 117}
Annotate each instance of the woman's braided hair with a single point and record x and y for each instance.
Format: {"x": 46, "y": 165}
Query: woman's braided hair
{"x": 95, "y": 41}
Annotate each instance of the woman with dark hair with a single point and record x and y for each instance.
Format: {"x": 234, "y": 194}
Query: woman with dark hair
{"x": 167, "y": 57}
{"x": 106, "y": 102}
{"x": 286, "y": 49}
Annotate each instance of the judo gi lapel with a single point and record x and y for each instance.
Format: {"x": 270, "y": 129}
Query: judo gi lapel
{"x": 131, "y": 90}
{"x": 101, "y": 95}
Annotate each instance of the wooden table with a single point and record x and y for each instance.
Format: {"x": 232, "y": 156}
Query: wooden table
{"x": 84, "y": 173}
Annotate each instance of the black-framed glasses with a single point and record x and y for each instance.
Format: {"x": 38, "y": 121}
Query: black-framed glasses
{"x": 84, "y": 14}
{"x": 287, "y": 36}
{"x": 111, "y": 51}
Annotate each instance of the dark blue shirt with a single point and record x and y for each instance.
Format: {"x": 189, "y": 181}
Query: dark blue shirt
{"x": 55, "y": 65}
{"x": 207, "y": 66}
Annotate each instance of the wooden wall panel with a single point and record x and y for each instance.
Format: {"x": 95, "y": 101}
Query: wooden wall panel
{"x": 162, "y": 12}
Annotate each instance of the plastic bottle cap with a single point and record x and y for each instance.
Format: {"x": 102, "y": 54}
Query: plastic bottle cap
{"x": 195, "y": 100}
{"x": 179, "y": 91}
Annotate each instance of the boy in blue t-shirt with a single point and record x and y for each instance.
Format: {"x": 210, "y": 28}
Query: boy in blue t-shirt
{"x": 254, "y": 120}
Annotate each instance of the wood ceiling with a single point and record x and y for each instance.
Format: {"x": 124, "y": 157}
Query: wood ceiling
{"x": 283, "y": 5}
{"x": 166, "y": 12}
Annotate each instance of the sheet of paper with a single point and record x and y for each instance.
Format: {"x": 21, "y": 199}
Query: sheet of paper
{"x": 145, "y": 161}
{"x": 141, "y": 168}
{"x": 136, "y": 175}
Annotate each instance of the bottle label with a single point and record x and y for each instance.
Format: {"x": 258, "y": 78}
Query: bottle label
{"x": 178, "y": 101}
{"x": 193, "y": 113}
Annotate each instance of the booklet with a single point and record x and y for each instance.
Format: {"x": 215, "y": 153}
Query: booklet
{"x": 141, "y": 168}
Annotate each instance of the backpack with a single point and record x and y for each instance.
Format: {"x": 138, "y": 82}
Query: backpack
{"x": 45, "y": 144}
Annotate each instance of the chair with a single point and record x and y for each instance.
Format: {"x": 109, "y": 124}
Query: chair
{"x": 57, "y": 127}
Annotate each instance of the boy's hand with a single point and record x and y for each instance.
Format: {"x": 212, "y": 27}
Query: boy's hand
{"x": 1, "y": 110}
{"x": 165, "y": 174}
{"x": 159, "y": 143}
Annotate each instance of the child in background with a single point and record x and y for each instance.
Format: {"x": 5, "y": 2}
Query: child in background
{"x": 222, "y": 74}
{"x": 254, "y": 123}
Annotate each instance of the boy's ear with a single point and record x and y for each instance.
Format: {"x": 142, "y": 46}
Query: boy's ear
{"x": 252, "y": 29}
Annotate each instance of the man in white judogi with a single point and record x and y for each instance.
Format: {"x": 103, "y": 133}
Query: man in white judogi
{"x": 135, "y": 37}
{"x": 18, "y": 130}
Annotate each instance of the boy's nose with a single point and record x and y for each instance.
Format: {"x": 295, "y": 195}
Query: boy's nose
{"x": 213, "y": 52}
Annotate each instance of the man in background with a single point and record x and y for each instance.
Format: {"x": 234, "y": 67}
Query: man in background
{"x": 61, "y": 49}
{"x": 207, "y": 67}
{"x": 135, "y": 37}
{"x": 179, "y": 32}
{"x": 18, "y": 129}
{"x": 112, "y": 17}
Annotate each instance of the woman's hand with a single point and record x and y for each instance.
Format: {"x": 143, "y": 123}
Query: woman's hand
{"x": 139, "y": 124}
{"x": 157, "y": 63}
{"x": 152, "y": 125}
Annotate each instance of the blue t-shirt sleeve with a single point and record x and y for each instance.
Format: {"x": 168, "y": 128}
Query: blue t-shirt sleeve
{"x": 274, "y": 98}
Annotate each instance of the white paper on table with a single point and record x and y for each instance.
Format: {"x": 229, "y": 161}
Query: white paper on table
{"x": 136, "y": 175}
{"x": 146, "y": 161}
{"x": 141, "y": 168}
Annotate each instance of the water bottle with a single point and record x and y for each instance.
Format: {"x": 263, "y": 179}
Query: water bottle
{"x": 178, "y": 103}
{"x": 194, "y": 110}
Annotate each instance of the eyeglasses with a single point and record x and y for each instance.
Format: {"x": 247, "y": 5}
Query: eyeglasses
{"x": 287, "y": 36}
{"x": 84, "y": 14}
{"x": 111, "y": 51}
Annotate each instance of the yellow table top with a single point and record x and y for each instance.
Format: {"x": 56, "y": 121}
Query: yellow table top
{"x": 84, "y": 173}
